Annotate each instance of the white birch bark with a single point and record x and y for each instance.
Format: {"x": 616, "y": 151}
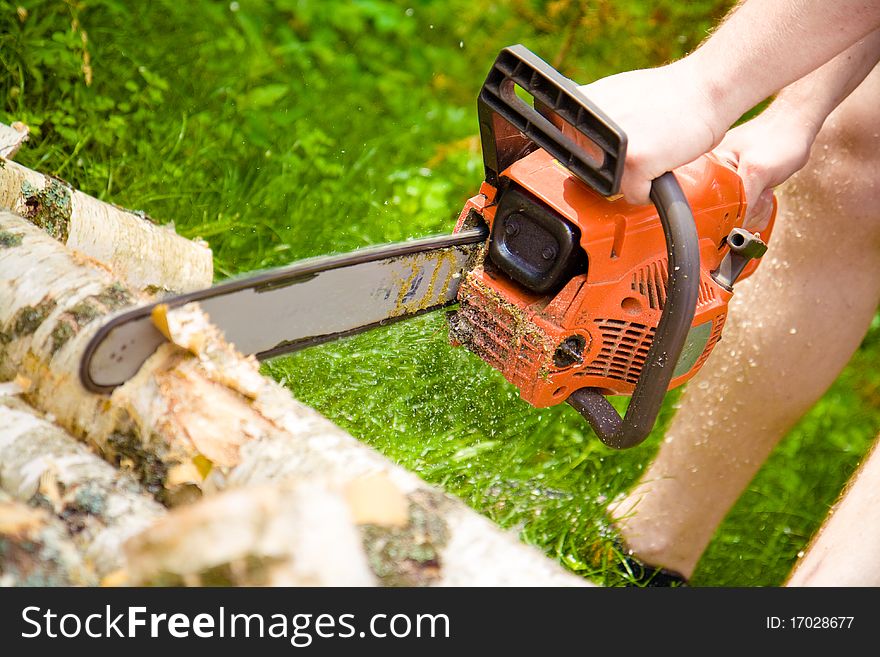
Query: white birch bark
{"x": 12, "y": 137}
{"x": 35, "y": 549}
{"x": 100, "y": 506}
{"x": 146, "y": 256}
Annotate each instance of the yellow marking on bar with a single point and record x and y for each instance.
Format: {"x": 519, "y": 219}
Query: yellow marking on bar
{"x": 430, "y": 297}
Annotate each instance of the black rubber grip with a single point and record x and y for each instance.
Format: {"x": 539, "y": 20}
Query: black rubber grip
{"x": 520, "y": 125}
{"x": 683, "y": 251}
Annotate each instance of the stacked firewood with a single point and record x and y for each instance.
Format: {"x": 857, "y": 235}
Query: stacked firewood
{"x": 199, "y": 470}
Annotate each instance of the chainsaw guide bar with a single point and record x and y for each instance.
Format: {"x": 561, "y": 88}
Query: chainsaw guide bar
{"x": 304, "y": 304}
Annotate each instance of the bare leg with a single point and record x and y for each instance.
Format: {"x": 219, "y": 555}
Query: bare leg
{"x": 844, "y": 552}
{"x": 792, "y": 328}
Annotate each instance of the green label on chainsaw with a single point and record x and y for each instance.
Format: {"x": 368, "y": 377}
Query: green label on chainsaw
{"x": 693, "y": 348}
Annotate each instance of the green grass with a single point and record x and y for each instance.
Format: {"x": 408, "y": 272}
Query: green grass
{"x": 279, "y": 130}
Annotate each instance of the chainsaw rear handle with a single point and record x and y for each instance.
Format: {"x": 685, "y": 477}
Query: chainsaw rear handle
{"x": 683, "y": 252}
{"x": 509, "y": 130}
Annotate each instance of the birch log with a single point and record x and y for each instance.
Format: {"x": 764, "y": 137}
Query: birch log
{"x": 99, "y": 506}
{"x": 379, "y": 527}
{"x": 35, "y": 549}
{"x": 144, "y": 255}
{"x": 12, "y": 137}
{"x": 290, "y": 535}
{"x": 199, "y": 416}
{"x": 412, "y": 533}
{"x": 178, "y": 418}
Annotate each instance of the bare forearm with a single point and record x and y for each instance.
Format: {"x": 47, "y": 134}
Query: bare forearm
{"x": 769, "y": 149}
{"x": 765, "y": 45}
{"x": 675, "y": 113}
{"x": 812, "y": 98}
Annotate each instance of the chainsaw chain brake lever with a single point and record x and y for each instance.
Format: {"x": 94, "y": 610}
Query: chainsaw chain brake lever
{"x": 509, "y": 127}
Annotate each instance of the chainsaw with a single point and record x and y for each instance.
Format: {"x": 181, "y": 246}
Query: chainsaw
{"x": 572, "y": 293}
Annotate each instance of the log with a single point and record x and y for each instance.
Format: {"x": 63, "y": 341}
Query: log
{"x": 178, "y": 418}
{"x": 99, "y": 506}
{"x": 12, "y": 137}
{"x": 412, "y": 533}
{"x": 317, "y": 531}
{"x": 145, "y": 255}
{"x": 35, "y": 549}
{"x": 198, "y": 417}
{"x": 293, "y": 535}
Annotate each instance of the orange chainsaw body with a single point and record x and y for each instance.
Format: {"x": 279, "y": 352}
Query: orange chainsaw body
{"x": 596, "y": 329}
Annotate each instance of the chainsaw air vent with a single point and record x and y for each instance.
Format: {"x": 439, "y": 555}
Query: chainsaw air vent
{"x": 707, "y": 293}
{"x": 482, "y": 333}
{"x": 650, "y": 282}
{"x": 625, "y": 347}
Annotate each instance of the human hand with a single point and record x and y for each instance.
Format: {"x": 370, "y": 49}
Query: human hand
{"x": 667, "y": 116}
{"x": 767, "y": 151}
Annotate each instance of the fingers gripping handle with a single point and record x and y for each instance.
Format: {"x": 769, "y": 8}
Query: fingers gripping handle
{"x": 683, "y": 251}
{"x": 509, "y": 126}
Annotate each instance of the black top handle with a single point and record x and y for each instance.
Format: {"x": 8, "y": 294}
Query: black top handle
{"x": 509, "y": 129}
